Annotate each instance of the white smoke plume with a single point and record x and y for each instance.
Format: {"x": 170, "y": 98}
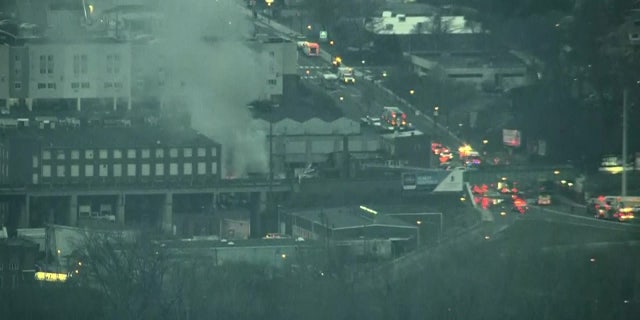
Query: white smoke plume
{"x": 212, "y": 72}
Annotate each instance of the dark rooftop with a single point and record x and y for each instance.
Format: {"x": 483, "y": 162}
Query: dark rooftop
{"x": 454, "y": 42}
{"x": 473, "y": 59}
{"x": 15, "y": 242}
{"x": 83, "y": 39}
{"x": 103, "y": 137}
{"x": 303, "y": 104}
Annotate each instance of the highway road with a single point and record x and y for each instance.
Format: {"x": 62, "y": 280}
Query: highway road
{"x": 578, "y": 217}
{"x": 369, "y": 97}
{"x": 366, "y": 97}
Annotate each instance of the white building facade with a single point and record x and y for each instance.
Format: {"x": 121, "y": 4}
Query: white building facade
{"x": 41, "y": 71}
{"x": 77, "y": 71}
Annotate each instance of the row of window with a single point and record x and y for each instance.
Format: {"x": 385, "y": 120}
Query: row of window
{"x": 113, "y": 63}
{"x": 76, "y": 85}
{"x": 84, "y": 85}
{"x": 4, "y": 171}
{"x": 129, "y": 170}
{"x": 80, "y": 64}
{"x": 46, "y": 64}
{"x": 12, "y": 266}
{"x": 130, "y": 153}
{"x": 117, "y": 85}
{"x": 87, "y": 85}
{"x": 50, "y": 85}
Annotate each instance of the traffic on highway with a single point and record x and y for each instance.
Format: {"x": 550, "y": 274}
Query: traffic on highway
{"x": 350, "y": 86}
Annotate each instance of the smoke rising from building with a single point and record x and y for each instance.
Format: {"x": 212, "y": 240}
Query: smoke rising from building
{"x": 211, "y": 71}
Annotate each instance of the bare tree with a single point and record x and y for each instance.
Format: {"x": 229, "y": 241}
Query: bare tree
{"x": 130, "y": 275}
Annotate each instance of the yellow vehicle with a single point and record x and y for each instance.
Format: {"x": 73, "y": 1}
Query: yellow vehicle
{"x": 336, "y": 62}
{"x": 346, "y": 75}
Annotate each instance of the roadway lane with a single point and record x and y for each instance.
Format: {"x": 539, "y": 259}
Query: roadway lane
{"x": 577, "y": 217}
{"x": 368, "y": 97}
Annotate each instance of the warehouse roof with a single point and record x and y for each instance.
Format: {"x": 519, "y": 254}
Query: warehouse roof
{"x": 116, "y": 137}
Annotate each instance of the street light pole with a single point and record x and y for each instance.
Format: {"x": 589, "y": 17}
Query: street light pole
{"x": 418, "y": 222}
{"x": 435, "y": 117}
{"x": 270, "y": 195}
{"x": 625, "y": 94}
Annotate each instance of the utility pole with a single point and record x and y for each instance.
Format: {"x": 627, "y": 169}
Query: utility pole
{"x": 625, "y": 99}
{"x": 270, "y": 194}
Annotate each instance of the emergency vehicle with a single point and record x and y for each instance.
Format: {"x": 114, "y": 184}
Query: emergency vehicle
{"x": 346, "y": 75}
{"x": 311, "y": 49}
{"x": 614, "y": 208}
{"x": 394, "y": 119}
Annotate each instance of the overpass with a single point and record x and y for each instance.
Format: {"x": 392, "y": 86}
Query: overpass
{"x": 226, "y": 186}
{"x": 65, "y": 204}
{"x": 521, "y": 173}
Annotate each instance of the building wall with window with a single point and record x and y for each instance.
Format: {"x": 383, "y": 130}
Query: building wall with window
{"x": 149, "y": 72}
{"x": 117, "y": 156}
{"x": 132, "y": 165}
{"x": 79, "y": 70}
{"x": 4, "y": 163}
{"x": 17, "y": 262}
{"x": 19, "y": 72}
{"x": 21, "y": 145}
{"x": 280, "y": 58}
{"x": 5, "y": 52}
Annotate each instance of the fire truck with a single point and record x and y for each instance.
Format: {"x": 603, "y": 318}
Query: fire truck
{"x": 311, "y": 49}
{"x": 394, "y": 119}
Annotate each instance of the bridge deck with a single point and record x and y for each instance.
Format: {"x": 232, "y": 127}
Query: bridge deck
{"x": 244, "y": 185}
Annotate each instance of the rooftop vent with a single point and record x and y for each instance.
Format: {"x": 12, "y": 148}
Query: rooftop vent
{"x": 23, "y": 122}
{"x": 47, "y": 124}
{"x": 69, "y": 122}
{"x": 402, "y": 18}
{"x": 8, "y": 123}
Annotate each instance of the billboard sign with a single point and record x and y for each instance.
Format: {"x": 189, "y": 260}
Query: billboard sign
{"x": 434, "y": 180}
{"x": 511, "y": 137}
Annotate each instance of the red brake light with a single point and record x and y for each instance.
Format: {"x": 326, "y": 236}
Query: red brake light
{"x": 404, "y": 116}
